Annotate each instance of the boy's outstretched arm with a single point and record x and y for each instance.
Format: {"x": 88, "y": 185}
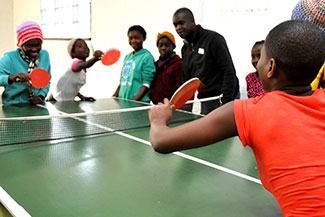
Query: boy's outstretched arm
{"x": 216, "y": 126}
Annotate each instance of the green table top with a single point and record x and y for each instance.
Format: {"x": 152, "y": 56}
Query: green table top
{"x": 120, "y": 174}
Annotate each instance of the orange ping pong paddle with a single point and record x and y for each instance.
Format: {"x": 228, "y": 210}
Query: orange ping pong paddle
{"x": 184, "y": 93}
{"x": 39, "y": 78}
{"x": 111, "y": 57}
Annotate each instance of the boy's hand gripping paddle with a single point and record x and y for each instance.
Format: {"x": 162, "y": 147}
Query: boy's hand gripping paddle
{"x": 185, "y": 92}
{"x": 111, "y": 57}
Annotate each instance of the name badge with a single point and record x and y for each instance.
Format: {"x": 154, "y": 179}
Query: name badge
{"x": 201, "y": 51}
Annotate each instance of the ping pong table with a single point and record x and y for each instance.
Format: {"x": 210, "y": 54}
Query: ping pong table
{"x": 118, "y": 174}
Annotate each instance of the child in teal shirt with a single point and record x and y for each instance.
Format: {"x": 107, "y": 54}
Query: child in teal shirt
{"x": 138, "y": 68}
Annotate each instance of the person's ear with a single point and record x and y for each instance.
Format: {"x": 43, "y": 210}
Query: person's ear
{"x": 272, "y": 68}
{"x": 73, "y": 56}
{"x": 193, "y": 21}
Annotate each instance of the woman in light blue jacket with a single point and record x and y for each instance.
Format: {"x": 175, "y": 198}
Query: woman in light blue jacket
{"x": 16, "y": 65}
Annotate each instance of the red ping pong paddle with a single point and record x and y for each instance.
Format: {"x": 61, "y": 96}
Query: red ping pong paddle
{"x": 111, "y": 57}
{"x": 184, "y": 92}
{"x": 39, "y": 78}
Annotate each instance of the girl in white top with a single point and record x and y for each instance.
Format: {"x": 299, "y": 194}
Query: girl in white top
{"x": 74, "y": 78}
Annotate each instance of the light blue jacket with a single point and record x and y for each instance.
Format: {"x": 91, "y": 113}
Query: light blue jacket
{"x": 12, "y": 63}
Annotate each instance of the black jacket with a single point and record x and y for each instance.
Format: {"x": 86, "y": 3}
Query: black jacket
{"x": 207, "y": 57}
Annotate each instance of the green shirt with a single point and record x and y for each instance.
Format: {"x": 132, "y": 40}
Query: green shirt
{"x": 138, "y": 70}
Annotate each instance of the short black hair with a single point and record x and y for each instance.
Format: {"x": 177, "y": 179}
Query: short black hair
{"x": 186, "y": 11}
{"x": 298, "y": 48}
{"x": 259, "y": 43}
{"x": 139, "y": 29}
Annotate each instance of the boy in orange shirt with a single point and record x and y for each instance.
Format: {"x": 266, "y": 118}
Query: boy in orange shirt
{"x": 285, "y": 127}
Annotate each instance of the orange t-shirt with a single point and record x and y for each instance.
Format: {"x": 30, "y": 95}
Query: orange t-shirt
{"x": 287, "y": 136}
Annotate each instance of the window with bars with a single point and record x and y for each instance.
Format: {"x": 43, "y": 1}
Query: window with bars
{"x": 64, "y": 19}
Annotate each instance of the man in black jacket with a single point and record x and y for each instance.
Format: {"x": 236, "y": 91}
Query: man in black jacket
{"x": 205, "y": 55}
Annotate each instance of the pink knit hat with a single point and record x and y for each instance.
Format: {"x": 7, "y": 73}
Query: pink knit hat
{"x": 71, "y": 44}
{"x": 28, "y": 30}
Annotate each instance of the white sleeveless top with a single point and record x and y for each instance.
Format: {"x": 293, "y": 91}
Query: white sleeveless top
{"x": 70, "y": 83}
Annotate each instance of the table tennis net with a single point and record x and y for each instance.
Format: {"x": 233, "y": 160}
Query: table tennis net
{"x": 44, "y": 128}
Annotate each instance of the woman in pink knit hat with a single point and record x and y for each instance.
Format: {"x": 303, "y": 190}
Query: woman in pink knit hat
{"x": 16, "y": 65}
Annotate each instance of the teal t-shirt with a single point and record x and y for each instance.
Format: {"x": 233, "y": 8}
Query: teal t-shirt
{"x": 12, "y": 63}
{"x": 138, "y": 70}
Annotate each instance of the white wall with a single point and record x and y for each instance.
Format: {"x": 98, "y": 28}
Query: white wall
{"x": 241, "y": 22}
{"x": 6, "y": 25}
{"x": 6, "y": 28}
